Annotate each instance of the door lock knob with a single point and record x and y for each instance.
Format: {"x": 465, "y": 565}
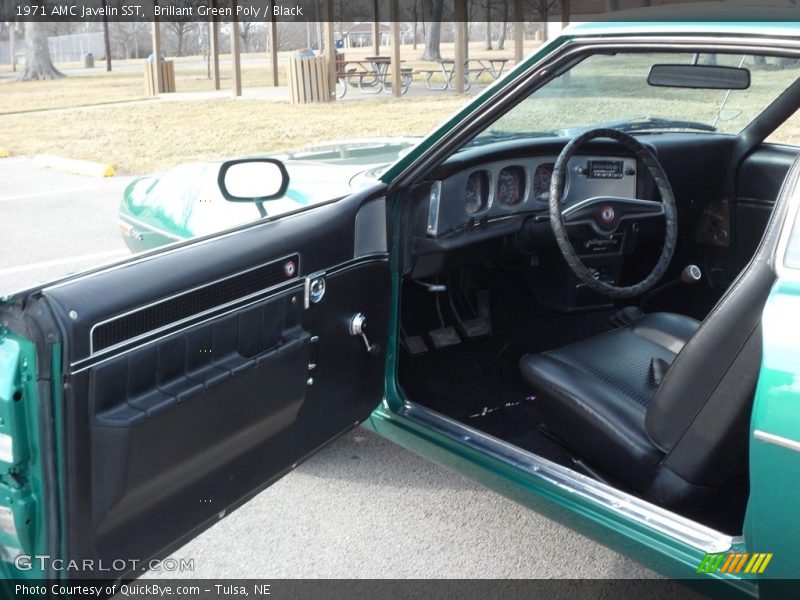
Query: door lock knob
{"x": 358, "y": 327}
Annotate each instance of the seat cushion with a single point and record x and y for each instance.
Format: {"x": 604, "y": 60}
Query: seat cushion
{"x": 594, "y": 394}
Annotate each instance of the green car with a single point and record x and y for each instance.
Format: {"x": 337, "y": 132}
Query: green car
{"x": 186, "y": 202}
{"x": 582, "y": 291}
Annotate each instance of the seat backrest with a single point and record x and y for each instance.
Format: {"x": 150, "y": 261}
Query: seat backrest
{"x": 701, "y": 412}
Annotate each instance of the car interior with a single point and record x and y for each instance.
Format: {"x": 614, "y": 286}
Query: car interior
{"x": 580, "y": 285}
{"x": 620, "y": 340}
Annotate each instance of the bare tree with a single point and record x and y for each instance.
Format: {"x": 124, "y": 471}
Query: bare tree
{"x": 488, "y": 7}
{"x": 127, "y": 36}
{"x": 180, "y": 29}
{"x": 432, "y": 12}
{"x": 246, "y": 29}
{"x": 38, "y": 64}
{"x": 543, "y": 8}
{"x": 414, "y": 30}
{"x": 501, "y": 39}
{"x": 106, "y": 39}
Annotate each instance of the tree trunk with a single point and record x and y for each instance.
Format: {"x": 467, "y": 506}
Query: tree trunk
{"x": 501, "y": 39}
{"x": 433, "y": 11}
{"x": 38, "y": 64}
{"x": 414, "y": 34}
{"x": 488, "y": 25}
{"x": 612, "y": 5}
{"x": 106, "y": 40}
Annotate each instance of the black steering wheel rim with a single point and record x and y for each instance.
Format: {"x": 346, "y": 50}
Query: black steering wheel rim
{"x": 557, "y": 185}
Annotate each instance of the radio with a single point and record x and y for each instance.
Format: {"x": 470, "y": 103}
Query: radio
{"x": 605, "y": 169}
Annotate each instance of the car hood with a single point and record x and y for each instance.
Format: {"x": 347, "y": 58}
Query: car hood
{"x": 186, "y": 201}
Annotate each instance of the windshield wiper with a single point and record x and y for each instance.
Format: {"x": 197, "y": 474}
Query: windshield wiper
{"x": 658, "y": 123}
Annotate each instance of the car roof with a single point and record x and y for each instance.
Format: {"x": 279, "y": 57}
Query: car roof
{"x": 769, "y": 18}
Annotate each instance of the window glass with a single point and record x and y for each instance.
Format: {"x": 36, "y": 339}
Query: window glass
{"x": 613, "y": 90}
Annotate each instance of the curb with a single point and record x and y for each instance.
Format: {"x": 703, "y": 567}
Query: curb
{"x": 4, "y": 153}
{"x": 72, "y": 165}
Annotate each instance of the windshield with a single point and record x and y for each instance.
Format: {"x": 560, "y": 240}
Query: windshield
{"x": 613, "y": 90}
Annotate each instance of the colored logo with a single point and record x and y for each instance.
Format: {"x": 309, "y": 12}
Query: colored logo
{"x": 289, "y": 268}
{"x": 607, "y": 214}
{"x": 735, "y": 562}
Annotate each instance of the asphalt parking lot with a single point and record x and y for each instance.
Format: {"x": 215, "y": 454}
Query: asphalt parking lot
{"x": 363, "y": 507}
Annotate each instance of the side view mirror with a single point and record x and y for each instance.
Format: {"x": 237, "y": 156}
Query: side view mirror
{"x": 252, "y": 179}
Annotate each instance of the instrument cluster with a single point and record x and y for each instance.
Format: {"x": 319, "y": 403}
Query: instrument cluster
{"x": 499, "y": 189}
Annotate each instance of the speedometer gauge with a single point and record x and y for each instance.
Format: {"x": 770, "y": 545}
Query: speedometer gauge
{"x": 511, "y": 186}
{"x": 541, "y": 182}
{"x": 476, "y": 196}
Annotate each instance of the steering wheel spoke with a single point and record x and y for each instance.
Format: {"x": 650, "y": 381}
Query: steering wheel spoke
{"x": 606, "y": 213}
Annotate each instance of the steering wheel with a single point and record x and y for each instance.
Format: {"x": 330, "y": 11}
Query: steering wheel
{"x": 605, "y": 214}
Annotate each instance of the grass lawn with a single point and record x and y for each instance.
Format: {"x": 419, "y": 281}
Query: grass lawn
{"x": 157, "y": 135}
{"x": 153, "y": 136}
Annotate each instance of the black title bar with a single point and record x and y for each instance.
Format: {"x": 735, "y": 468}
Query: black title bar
{"x": 408, "y": 10}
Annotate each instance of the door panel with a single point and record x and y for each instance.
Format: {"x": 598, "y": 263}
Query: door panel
{"x": 758, "y": 183}
{"x": 196, "y": 377}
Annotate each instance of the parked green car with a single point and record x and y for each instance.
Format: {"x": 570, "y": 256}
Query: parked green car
{"x": 186, "y": 202}
{"x": 582, "y": 290}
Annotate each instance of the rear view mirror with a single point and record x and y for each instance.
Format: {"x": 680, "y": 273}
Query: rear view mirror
{"x": 705, "y": 77}
{"x": 252, "y": 179}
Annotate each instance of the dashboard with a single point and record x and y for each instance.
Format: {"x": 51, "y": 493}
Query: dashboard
{"x": 497, "y": 190}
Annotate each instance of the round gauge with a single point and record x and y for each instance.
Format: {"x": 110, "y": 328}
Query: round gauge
{"x": 541, "y": 182}
{"x": 511, "y": 186}
{"x": 476, "y": 197}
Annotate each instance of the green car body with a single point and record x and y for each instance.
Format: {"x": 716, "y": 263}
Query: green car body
{"x": 186, "y": 203}
{"x": 771, "y": 523}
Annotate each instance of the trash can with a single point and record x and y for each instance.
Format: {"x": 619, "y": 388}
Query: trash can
{"x": 167, "y": 73}
{"x": 303, "y": 53}
{"x": 309, "y": 79}
{"x": 88, "y": 61}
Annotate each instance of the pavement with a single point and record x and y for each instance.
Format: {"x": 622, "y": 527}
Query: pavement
{"x": 53, "y": 224}
{"x": 363, "y": 507}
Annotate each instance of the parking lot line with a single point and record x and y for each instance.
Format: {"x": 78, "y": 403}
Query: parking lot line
{"x": 60, "y": 191}
{"x": 62, "y": 261}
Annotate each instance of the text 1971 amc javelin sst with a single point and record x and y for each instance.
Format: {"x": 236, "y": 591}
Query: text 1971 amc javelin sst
{"x": 582, "y": 290}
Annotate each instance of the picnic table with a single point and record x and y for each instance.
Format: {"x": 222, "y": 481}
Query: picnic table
{"x": 371, "y": 75}
{"x": 472, "y": 67}
{"x": 494, "y": 66}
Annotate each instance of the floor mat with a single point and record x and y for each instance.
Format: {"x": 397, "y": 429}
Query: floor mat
{"x": 479, "y": 385}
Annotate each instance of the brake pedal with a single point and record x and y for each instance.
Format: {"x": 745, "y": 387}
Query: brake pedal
{"x": 478, "y": 326}
{"x": 444, "y": 337}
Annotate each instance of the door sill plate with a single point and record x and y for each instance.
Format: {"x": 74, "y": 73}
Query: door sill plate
{"x": 626, "y": 505}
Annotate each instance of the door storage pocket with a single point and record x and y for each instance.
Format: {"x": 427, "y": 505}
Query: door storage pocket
{"x": 173, "y": 412}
